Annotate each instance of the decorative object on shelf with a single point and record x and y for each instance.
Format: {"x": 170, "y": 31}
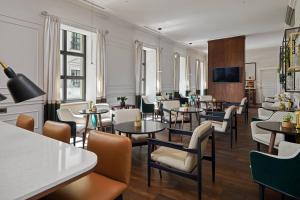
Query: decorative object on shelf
{"x": 20, "y": 87}
{"x": 122, "y": 101}
{"x": 287, "y": 121}
{"x": 2, "y": 97}
{"x": 297, "y": 114}
{"x": 137, "y": 122}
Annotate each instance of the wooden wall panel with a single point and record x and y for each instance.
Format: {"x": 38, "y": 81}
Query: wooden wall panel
{"x": 228, "y": 52}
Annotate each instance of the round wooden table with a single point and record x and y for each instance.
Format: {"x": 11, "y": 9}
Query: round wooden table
{"x": 291, "y": 134}
{"x": 88, "y": 113}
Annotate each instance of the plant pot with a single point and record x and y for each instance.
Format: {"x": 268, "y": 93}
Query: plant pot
{"x": 286, "y": 124}
{"x": 122, "y": 103}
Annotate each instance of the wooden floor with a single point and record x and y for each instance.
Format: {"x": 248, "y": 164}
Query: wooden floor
{"x": 233, "y": 178}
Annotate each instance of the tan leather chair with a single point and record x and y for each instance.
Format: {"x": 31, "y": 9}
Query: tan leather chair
{"x": 58, "y": 131}
{"x": 25, "y": 122}
{"x": 112, "y": 172}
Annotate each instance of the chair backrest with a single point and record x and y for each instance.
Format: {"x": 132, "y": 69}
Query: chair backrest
{"x": 242, "y": 105}
{"x": 146, "y": 100}
{"x": 25, "y": 122}
{"x": 206, "y": 98}
{"x": 58, "y": 131}
{"x": 65, "y": 114}
{"x": 227, "y": 116}
{"x": 114, "y": 155}
{"x": 75, "y": 107}
{"x": 191, "y": 159}
{"x": 279, "y": 115}
{"x": 126, "y": 115}
{"x": 170, "y": 105}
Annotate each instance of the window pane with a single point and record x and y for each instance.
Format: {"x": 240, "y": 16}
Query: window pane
{"x": 61, "y": 39}
{"x": 61, "y": 89}
{"x": 74, "y": 89}
{"x": 75, "y": 42}
{"x": 75, "y": 66}
{"x": 61, "y": 65}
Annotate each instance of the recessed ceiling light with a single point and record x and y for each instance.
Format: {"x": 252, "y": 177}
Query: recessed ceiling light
{"x": 159, "y": 29}
{"x": 190, "y": 43}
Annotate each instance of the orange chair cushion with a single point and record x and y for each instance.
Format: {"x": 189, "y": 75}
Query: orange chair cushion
{"x": 58, "y": 131}
{"x": 91, "y": 187}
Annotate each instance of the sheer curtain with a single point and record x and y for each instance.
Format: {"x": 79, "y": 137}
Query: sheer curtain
{"x": 176, "y": 72}
{"x": 51, "y": 67}
{"x": 158, "y": 71}
{"x": 197, "y": 78}
{"x": 101, "y": 65}
{"x": 188, "y": 74}
{"x": 138, "y": 54}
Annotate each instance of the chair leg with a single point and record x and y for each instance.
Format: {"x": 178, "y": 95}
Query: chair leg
{"x": 261, "y": 192}
{"x": 258, "y": 146}
{"x": 74, "y": 140}
{"x": 231, "y": 137}
{"x": 160, "y": 175}
{"x": 119, "y": 197}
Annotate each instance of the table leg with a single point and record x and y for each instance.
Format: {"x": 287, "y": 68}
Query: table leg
{"x": 191, "y": 120}
{"x": 272, "y": 142}
{"x": 85, "y": 131}
{"x": 100, "y": 128}
{"x": 182, "y": 121}
{"x": 175, "y": 119}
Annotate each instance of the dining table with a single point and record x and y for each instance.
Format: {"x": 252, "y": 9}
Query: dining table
{"x": 32, "y": 165}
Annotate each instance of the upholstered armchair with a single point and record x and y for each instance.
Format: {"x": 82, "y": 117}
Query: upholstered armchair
{"x": 168, "y": 115}
{"x": 76, "y": 123}
{"x": 181, "y": 160}
{"x": 183, "y": 100}
{"x": 111, "y": 175}
{"x": 262, "y": 136}
{"x": 223, "y": 122}
{"x": 129, "y": 115}
{"x": 58, "y": 131}
{"x": 242, "y": 108}
{"x": 147, "y": 107}
{"x": 264, "y": 114}
{"x": 25, "y": 122}
{"x": 279, "y": 173}
{"x": 205, "y": 102}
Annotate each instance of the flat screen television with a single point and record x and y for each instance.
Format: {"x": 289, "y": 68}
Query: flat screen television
{"x": 226, "y": 74}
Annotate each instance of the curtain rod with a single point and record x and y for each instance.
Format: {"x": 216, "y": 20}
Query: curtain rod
{"x": 45, "y": 13}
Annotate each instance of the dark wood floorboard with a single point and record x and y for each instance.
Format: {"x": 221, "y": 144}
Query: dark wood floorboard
{"x": 233, "y": 178}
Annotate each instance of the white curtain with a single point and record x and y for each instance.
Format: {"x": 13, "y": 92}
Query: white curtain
{"x": 188, "y": 74}
{"x": 51, "y": 67}
{"x": 101, "y": 64}
{"x": 138, "y": 67}
{"x": 176, "y": 71}
{"x": 197, "y": 78}
{"x": 52, "y": 59}
{"x": 158, "y": 70}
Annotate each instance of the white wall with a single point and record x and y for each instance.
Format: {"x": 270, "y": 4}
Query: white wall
{"x": 21, "y": 39}
{"x": 265, "y": 58}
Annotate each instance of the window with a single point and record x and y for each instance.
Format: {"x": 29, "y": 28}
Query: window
{"x": 149, "y": 73}
{"x": 73, "y": 66}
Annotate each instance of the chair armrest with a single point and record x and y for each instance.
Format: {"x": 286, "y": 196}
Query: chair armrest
{"x": 212, "y": 117}
{"x": 172, "y": 145}
{"x": 216, "y": 113}
{"x": 180, "y": 132}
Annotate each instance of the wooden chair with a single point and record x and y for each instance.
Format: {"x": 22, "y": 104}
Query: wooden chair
{"x": 25, "y": 122}
{"x": 112, "y": 172}
{"x": 58, "y": 131}
{"x": 279, "y": 173}
{"x": 180, "y": 160}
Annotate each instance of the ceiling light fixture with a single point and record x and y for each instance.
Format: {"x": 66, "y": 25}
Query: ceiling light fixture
{"x": 159, "y": 29}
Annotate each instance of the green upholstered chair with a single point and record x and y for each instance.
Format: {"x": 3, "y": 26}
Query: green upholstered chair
{"x": 279, "y": 173}
{"x": 147, "y": 107}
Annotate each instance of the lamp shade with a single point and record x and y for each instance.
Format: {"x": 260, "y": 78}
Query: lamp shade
{"x": 22, "y": 89}
{"x": 2, "y": 97}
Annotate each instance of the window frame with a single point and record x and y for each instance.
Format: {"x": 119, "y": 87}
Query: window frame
{"x": 64, "y": 77}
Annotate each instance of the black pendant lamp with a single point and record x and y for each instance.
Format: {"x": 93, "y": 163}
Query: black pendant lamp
{"x": 19, "y": 86}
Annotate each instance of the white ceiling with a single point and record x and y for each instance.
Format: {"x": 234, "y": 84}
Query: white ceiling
{"x": 198, "y": 21}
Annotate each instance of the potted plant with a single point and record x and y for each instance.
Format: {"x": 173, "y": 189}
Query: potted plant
{"x": 122, "y": 101}
{"x": 287, "y": 121}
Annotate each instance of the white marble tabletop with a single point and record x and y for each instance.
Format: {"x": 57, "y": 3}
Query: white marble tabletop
{"x": 31, "y": 163}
